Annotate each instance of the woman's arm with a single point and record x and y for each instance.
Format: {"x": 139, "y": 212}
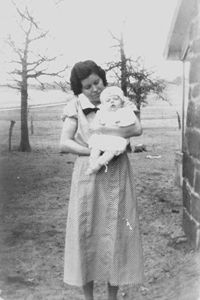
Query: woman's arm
{"x": 67, "y": 142}
{"x": 126, "y": 132}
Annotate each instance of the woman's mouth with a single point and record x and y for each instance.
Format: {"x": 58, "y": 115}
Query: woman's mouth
{"x": 96, "y": 95}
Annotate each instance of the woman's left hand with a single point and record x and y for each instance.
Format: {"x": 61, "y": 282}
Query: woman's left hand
{"x": 95, "y": 127}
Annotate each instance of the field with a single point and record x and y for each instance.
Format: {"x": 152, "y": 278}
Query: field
{"x": 34, "y": 193}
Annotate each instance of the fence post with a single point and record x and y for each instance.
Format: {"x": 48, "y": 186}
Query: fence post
{"x": 32, "y": 127}
{"x": 12, "y": 123}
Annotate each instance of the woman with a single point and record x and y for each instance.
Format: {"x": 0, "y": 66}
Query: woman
{"x": 102, "y": 236}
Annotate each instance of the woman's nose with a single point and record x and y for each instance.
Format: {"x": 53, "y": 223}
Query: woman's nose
{"x": 94, "y": 88}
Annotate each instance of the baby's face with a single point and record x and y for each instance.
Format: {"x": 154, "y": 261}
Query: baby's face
{"x": 112, "y": 102}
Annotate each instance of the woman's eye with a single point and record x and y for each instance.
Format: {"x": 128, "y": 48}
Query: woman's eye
{"x": 87, "y": 87}
{"x": 96, "y": 82}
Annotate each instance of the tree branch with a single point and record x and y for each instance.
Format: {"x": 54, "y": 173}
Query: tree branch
{"x": 58, "y": 2}
{"x": 15, "y": 62}
{"x": 26, "y": 15}
{"x": 42, "y": 73}
{"x": 39, "y": 65}
{"x": 15, "y": 72}
{"x": 64, "y": 86}
{"x": 18, "y": 51}
{"x": 13, "y": 87}
{"x": 39, "y": 62}
{"x": 31, "y": 19}
{"x": 112, "y": 65}
{"x": 114, "y": 37}
{"x": 17, "y": 86}
{"x": 41, "y": 84}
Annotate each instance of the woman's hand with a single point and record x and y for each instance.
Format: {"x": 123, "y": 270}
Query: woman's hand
{"x": 95, "y": 127}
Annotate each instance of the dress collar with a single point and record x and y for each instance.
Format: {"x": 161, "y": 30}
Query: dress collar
{"x": 85, "y": 102}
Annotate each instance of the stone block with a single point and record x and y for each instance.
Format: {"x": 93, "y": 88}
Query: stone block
{"x": 197, "y": 165}
{"x": 197, "y": 182}
{"x": 193, "y": 114}
{"x": 194, "y": 76}
{"x": 196, "y": 46}
{"x": 193, "y": 142}
{"x": 192, "y": 230}
{"x": 193, "y": 32}
{"x": 188, "y": 168}
{"x": 196, "y": 91}
{"x": 190, "y": 114}
{"x": 197, "y": 115}
{"x": 186, "y": 196}
{"x": 195, "y": 207}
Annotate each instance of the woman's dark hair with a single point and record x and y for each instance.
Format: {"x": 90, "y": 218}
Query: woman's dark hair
{"x": 82, "y": 70}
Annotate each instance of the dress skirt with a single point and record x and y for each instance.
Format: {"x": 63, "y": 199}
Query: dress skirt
{"x": 102, "y": 236}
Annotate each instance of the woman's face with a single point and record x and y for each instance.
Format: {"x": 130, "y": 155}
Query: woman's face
{"x": 92, "y": 86}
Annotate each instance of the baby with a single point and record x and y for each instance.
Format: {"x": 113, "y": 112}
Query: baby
{"x": 112, "y": 112}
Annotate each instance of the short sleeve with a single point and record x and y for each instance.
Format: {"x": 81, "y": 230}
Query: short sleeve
{"x": 70, "y": 110}
{"x": 129, "y": 103}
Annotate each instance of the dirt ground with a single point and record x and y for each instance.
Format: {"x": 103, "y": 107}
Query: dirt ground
{"x": 34, "y": 193}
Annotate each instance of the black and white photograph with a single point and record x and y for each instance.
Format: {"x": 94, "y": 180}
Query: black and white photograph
{"x": 100, "y": 150}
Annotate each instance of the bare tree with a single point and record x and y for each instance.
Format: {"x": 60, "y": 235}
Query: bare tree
{"x": 28, "y": 65}
{"x": 119, "y": 68}
{"x": 135, "y": 80}
{"x": 141, "y": 82}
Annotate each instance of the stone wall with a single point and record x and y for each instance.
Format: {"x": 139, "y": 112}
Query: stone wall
{"x": 191, "y": 155}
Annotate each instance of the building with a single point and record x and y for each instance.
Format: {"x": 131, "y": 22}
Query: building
{"x": 184, "y": 44}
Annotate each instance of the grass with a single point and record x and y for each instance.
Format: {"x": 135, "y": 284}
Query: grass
{"x": 34, "y": 193}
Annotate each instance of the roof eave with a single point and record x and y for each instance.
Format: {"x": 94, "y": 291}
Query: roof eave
{"x": 178, "y": 37}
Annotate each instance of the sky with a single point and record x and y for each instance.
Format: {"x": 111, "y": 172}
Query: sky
{"x": 81, "y": 29}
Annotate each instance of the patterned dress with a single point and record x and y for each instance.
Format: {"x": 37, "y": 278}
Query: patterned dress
{"x": 102, "y": 236}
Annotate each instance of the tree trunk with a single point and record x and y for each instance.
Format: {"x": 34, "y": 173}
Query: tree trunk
{"x": 138, "y": 105}
{"x": 138, "y": 114}
{"x": 24, "y": 143}
{"x": 123, "y": 67}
